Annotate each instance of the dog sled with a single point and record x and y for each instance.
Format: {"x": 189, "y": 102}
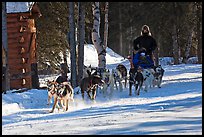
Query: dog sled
{"x": 144, "y": 72}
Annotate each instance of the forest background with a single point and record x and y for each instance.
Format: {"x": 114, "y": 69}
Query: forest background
{"x": 176, "y": 26}
{"x": 65, "y": 27}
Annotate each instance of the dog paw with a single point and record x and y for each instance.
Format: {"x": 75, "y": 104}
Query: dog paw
{"x": 51, "y": 111}
{"x": 65, "y": 109}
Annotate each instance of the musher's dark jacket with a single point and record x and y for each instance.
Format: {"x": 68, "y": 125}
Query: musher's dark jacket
{"x": 146, "y": 41}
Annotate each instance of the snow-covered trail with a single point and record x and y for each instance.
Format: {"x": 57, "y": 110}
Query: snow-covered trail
{"x": 176, "y": 108}
{"x": 117, "y": 119}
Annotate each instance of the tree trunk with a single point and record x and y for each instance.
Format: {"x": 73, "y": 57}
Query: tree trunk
{"x": 5, "y": 46}
{"x": 35, "y": 78}
{"x": 101, "y": 51}
{"x": 120, "y": 31}
{"x": 130, "y": 47}
{"x": 188, "y": 46}
{"x": 156, "y": 53}
{"x": 199, "y": 32}
{"x": 72, "y": 44}
{"x": 176, "y": 49}
{"x": 106, "y": 26}
{"x": 81, "y": 38}
{"x": 64, "y": 66}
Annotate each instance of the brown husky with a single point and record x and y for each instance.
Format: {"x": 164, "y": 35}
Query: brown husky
{"x": 123, "y": 70}
{"x": 90, "y": 84}
{"x": 120, "y": 74}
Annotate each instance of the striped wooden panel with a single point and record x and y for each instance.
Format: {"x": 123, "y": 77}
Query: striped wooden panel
{"x": 12, "y": 25}
{"x": 14, "y": 15}
{"x": 21, "y": 75}
{"x": 18, "y": 50}
{"x": 17, "y": 17}
{"x": 13, "y": 57}
{"x": 18, "y": 35}
{"x": 17, "y": 29}
{"x": 19, "y": 67}
{"x": 18, "y": 61}
{"x": 19, "y": 71}
{"x": 18, "y": 83}
{"x": 17, "y": 40}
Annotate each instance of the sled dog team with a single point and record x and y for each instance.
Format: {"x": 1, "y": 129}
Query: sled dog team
{"x": 63, "y": 92}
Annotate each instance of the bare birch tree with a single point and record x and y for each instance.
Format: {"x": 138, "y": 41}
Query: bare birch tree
{"x": 98, "y": 44}
{"x": 106, "y": 25}
{"x": 5, "y": 46}
{"x": 72, "y": 44}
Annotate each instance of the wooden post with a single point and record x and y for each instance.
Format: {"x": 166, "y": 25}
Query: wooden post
{"x": 34, "y": 73}
{"x": 5, "y": 46}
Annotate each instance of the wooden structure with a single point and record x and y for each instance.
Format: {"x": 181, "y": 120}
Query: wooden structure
{"x": 22, "y": 59}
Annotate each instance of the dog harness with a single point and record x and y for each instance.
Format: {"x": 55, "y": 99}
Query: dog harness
{"x": 51, "y": 88}
{"x": 61, "y": 90}
{"x": 132, "y": 78}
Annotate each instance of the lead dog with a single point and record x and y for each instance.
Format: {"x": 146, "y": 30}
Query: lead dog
{"x": 51, "y": 86}
{"x": 136, "y": 79}
{"x": 61, "y": 92}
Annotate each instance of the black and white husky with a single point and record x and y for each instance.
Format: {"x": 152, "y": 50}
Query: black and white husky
{"x": 136, "y": 79}
{"x": 92, "y": 70}
{"x": 120, "y": 74}
{"x": 117, "y": 78}
{"x": 62, "y": 93}
{"x": 148, "y": 75}
{"x": 158, "y": 75}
